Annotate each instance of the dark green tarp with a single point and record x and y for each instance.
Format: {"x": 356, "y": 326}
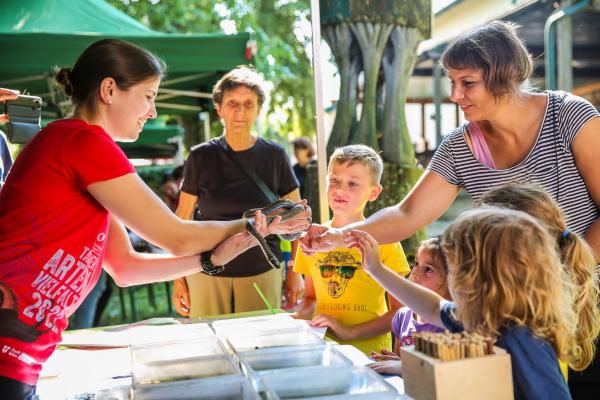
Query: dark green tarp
{"x": 155, "y": 142}
{"x": 37, "y": 35}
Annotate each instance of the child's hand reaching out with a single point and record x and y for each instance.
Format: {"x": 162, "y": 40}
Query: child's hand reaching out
{"x": 389, "y": 367}
{"x": 368, "y": 247}
{"x": 386, "y": 362}
{"x": 385, "y": 355}
{"x": 340, "y": 330}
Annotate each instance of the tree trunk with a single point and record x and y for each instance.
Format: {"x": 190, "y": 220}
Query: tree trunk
{"x": 344, "y": 49}
{"x": 372, "y": 38}
{"x": 398, "y": 63}
{"x": 191, "y": 126}
{"x": 387, "y": 33}
{"x": 380, "y": 98}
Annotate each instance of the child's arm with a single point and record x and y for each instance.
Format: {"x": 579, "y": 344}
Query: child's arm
{"x": 375, "y": 327}
{"x": 396, "y": 346}
{"x": 388, "y": 367}
{"x": 306, "y": 308}
{"x": 386, "y": 355}
{"x": 421, "y": 300}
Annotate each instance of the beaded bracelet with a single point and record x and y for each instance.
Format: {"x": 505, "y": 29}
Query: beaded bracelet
{"x": 207, "y": 266}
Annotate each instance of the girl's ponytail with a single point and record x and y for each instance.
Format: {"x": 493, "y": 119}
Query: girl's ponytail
{"x": 577, "y": 257}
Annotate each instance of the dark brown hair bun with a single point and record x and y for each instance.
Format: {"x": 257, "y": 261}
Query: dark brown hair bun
{"x": 63, "y": 77}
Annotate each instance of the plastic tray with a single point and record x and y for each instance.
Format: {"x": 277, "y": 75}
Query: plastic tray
{"x": 181, "y": 370}
{"x": 176, "y": 350}
{"x": 292, "y": 357}
{"x": 232, "y": 387}
{"x": 326, "y": 382}
{"x": 257, "y": 325}
{"x": 241, "y": 341}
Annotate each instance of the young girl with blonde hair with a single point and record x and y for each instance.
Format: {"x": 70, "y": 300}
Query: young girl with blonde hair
{"x": 575, "y": 254}
{"x": 507, "y": 282}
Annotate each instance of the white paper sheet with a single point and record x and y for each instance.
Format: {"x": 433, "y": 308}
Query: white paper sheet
{"x": 319, "y": 331}
{"x": 134, "y": 334}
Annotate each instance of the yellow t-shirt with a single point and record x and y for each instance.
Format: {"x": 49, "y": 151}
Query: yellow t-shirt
{"x": 345, "y": 291}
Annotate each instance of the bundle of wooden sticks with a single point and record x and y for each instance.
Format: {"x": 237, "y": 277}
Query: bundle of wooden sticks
{"x": 453, "y": 346}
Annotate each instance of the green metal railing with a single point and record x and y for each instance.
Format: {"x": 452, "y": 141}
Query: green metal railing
{"x": 550, "y": 40}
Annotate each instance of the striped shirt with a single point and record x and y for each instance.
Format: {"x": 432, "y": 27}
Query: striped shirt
{"x": 549, "y": 163}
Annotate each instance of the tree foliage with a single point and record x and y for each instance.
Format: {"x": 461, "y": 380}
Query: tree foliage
{"x": 279, "y": 28}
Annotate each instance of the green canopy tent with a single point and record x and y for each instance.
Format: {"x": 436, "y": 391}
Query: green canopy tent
{"x": 36, "y": 36}
{"x": 155, "y": 142}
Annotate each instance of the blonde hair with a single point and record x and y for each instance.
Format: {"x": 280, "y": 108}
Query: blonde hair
{"x": 359, "y": 153}
{"x": 434, "y": 247}
{"x": 504, "y": 272}
{"x": 575, "y": 254}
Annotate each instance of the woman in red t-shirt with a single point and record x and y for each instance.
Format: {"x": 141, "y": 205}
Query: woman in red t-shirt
{"x": 67, "y": 200}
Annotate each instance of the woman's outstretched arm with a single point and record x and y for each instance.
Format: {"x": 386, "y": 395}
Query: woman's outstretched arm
{"x": 133, "y": 203}
{"x": 429, "y": 198}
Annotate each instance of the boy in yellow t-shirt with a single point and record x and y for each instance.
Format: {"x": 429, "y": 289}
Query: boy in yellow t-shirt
{"x": 339, "y": 294}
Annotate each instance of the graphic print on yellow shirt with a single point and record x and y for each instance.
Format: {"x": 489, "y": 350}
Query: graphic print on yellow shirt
{"x": 337, "y": 269}
{"x": 345, "y": 291}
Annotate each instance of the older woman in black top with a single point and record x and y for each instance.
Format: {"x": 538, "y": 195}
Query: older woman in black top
{"x": 215, "y": 182}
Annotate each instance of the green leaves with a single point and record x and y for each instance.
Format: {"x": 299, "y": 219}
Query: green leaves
{"x": 281, "y": 29}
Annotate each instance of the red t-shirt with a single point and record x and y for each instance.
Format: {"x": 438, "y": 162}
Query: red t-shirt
{"x": 52, "y": 239}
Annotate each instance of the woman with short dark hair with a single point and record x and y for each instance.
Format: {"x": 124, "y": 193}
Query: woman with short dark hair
{"x": 513, "y": 134}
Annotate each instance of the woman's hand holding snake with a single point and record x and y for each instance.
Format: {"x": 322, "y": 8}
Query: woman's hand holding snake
{"x": 239, "y": 243}
{"x": 286, "y": 219}
{"x": 291, "y": 219}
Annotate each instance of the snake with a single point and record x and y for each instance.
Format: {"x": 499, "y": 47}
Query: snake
{"x": 290, "y": 211}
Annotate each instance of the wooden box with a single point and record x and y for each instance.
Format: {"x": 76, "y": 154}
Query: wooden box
{"x": 426, "y": 378}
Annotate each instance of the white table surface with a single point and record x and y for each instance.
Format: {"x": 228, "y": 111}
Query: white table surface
{"x": 74, "y": 371}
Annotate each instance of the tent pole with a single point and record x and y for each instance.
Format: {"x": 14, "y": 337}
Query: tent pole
{"x": 23, "y": 79}
{"x": 178, "y": 106}
{"x": 205, "y": 117}
{"x": 185, "y": 79}
{"x": 318, "y": 84}
{"x": 189, "y": 93}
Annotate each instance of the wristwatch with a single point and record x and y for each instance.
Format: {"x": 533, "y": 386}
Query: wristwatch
{"x": 207, "y": 266}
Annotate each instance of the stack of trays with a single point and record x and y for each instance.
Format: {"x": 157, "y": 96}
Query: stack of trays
{"x": 311, "y": 355}
{"x": 280, "y": 358}
{"x": 174, "y": 350}
{"x": 282, "y": 361}
{"x": 188, "y": 369}
{"x": 256, "y": 363}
